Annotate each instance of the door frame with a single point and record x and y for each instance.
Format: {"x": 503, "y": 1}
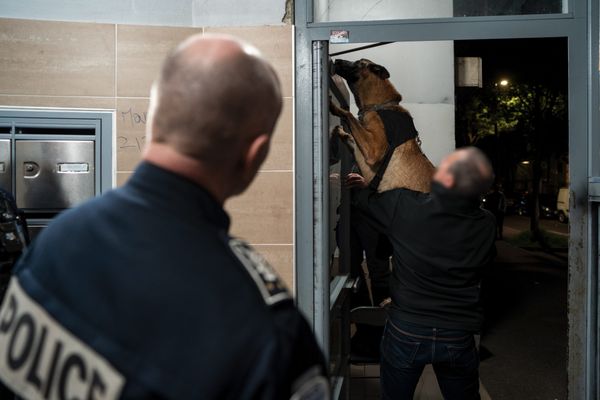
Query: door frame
{"x": 580, "y": 27}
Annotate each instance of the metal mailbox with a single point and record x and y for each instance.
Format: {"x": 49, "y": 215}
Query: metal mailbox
{"x": 5, "y": 165}
{"x": 53, "y": 174}
{"x": 52, "y": 160}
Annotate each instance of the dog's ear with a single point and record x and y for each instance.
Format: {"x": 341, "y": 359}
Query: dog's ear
{"x": 379, "y": 71}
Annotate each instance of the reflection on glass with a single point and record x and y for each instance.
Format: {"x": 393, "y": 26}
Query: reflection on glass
{"x": 339, "y": 161}
{"x": 335, "y": 194}
{"x": 470, "y": 8}
{"x": 335, "y": 344}
{"x": 339, "y": 339}
{"x": 372, "y": 10}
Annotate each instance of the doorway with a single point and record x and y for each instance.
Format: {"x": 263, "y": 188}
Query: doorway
{"x": 486, "y": 93}
{"x": 524, "y": 338}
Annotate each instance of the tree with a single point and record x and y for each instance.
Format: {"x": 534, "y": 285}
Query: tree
{"x": 535, "y": 113}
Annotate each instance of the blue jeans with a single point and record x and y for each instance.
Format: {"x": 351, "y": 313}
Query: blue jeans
{"x": 406, "y": 349}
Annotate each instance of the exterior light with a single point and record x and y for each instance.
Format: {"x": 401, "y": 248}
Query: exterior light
{"x": 525, "y": 162}
{"x": 503, "y": 82}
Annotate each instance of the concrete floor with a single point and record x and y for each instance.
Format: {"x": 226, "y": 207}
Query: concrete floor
{"x": 364, "y": 384}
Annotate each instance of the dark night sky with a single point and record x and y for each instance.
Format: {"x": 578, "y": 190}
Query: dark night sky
{"x": 519, "y": 60}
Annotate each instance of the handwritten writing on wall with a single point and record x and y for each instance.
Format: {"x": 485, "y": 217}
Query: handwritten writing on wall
{"x": 131, "y": 143}
{"x": 131, "y": 119}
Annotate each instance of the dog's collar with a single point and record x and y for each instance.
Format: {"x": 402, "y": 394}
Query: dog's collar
{"x": 376, "y": 107}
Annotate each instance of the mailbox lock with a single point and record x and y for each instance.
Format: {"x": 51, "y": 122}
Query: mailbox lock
{"x": 31, "y": 168}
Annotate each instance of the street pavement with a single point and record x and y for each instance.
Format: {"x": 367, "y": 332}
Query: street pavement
{"x": 524, "y": 340}
{"x": 514, "y": 224}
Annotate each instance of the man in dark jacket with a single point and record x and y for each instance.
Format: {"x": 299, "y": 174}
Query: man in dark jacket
{"x": 142, "y": 293}
{"x": 442, "y": 242}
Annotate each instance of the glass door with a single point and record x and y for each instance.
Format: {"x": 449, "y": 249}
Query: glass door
{"x": 331, "y": 277}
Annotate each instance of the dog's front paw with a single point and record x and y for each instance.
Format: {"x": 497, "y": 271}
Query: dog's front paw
{"x": 339, "y": 131}
{"x": 345, "y": 137}
{"x": 336, "y": 110}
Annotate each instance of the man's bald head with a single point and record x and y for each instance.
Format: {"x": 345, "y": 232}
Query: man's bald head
{"x": 214, "y": 94}
{"x": 466, "y": 171}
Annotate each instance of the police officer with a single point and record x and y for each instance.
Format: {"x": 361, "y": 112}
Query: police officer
{"x": 142, "y": 293}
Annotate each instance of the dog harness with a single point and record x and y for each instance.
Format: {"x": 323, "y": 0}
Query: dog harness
{"x": 399, "y": 128}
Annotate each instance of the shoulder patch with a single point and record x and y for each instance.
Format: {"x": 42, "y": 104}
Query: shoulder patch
{"x": 40, "y": 359}
{"x": 267, "y": 281}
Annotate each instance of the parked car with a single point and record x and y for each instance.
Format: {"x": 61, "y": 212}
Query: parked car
{"x": 521, "y": 205}
{"x": 518, "y": 205}
{"x": 547, "y": 210}
{"x": 562, "y": 205}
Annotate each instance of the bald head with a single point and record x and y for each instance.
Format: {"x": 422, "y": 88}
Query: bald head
{"x": 466, "y": 171}
{"x": 214, "y": 94}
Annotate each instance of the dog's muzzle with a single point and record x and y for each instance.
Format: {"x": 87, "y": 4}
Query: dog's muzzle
{"x": 345, "y": 69}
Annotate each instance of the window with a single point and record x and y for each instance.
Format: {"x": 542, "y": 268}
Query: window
{"x": 372, "y": 10}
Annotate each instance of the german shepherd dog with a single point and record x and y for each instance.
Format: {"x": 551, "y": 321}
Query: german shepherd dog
{"x": 384, "y": 134}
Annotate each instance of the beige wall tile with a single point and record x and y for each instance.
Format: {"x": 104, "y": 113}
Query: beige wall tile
{"x": 263, "y": 214}
{"x": 131, "y": 132}
{"x": 57, "y": 58}
{"x": 140, "y": 53}
{"x": 51, "y": 101}
{"x": 122, "y": 177}
{"x": 282, "y": 259}
{"x": 275, "y": 42}
{"x": 280, "y": 155}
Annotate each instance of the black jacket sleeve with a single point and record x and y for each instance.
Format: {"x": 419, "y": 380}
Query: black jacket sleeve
{"x": 380, "y": 207}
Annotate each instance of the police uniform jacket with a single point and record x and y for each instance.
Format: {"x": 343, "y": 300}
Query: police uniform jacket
{"x": 142, "y": 293}
{"x": 442, "y": 243}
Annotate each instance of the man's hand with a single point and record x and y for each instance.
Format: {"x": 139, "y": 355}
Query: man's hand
{"x": 354, "y": 180}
